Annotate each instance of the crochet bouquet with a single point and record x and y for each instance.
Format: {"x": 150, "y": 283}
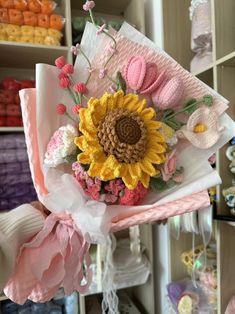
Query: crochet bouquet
{"x": 120, "y": 138}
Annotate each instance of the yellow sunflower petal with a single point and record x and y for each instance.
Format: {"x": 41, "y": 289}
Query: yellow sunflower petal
{"x": 95, "y": 169}
{"x": 130, "y": 102}
{"x": 135, "y": 170}
{"x": 148, "y": 114}
{"x": 154, "y": 125}
{"x": 141, "y": 106}
{"x": 98, "y": 112}
{"x": 130, "y": 182}
{"x": 118, "y": 99}
{"x": 155, "y": 136}
{"x": 86, "y": 125}
{"x": 145, "y": 178}
{"x": 154, "y": 157}
{"x": 81, "y": 142}
{"x": 108, "y": 101}
{"x": 121, "y": 170}
{"x": 107, "y": 172}
{"x": 147, "y": 167}
{"x": 84, "y": 158}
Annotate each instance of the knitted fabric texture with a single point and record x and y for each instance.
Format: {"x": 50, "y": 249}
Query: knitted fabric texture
{"x": 122, "y": 133}
{"x": 16, "y": 227}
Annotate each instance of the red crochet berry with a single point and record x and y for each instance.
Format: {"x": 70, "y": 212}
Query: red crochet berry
{"x": 80, "y": 88}
{"x": 76, "y": 109}
{"x": 68, "y": 69}
{"x": 62, "y": 75}
{"x": 60, "y": 62}
{"x": 61, "y": 109}
{"x": 65, "y": 82}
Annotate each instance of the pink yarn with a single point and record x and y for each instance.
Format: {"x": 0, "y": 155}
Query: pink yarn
{"x": 115, "y": 186}
{"x": 169, "y": 94}
{"x": 142, "y": 76}
{"x": 54, "y": 257}
{"x": 61, "y": 109}
{"x": 169, "y": 167}
{"x": 133, "y": 197}
{"x": 100, "y": 29}
{"x": 89, "y": 5}
{"x": 60, "y": 62}
{"x": 55, "y": 142}
{"x": 65, "y": 82}
{"x": 62, "y": 75}
{"x": 179, "y": 178}
{"x": 76, "y": 109}
{"x": 102, "y": 73}
{"x": 68, "y": 68}
{"x": 80, "y": 88}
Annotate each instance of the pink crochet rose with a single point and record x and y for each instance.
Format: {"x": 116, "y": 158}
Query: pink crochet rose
{"x": 169, "y": 167}
{"x": 54, "y": 257}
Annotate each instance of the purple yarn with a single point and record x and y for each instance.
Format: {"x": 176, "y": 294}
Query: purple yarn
{"x": 8, "y": 141}
{"x": 175, "y": 289}
{"x": 18, "y": 178}
{"x": 8, "y": 191}
{"x": 13, "y": 155}
{"x": 14, "y": 168}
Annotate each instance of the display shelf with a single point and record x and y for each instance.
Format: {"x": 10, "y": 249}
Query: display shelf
{"x": 27, "y": 55}
{"x": 11, "y": 129}
{"x": 219, "y": 75}
{"x": 224, "y": 27}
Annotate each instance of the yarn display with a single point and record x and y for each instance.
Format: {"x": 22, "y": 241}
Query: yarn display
{"x": 16, "y": 186}
{"x": 10, "y": 111}
{"x": 31, "y": 21}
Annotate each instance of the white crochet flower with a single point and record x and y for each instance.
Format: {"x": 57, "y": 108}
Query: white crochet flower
{"x": 61, "y": 145}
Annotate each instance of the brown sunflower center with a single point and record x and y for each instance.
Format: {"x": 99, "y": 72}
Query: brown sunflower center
{"x": 122, "y": 133}
{"x": 128, "y": 130}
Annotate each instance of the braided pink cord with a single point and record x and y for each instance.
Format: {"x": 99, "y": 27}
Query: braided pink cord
{"x": 177, "y": 207}
{"x": 193, "y": 87}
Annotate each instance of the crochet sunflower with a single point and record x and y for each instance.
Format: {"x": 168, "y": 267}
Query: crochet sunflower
{"x": 120, "y": 139}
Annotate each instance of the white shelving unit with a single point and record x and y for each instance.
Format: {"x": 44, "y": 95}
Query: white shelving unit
{"x": 19, "y": 59}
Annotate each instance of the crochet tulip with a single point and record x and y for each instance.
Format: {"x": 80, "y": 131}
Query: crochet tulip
{"x": 89, "y": 5}
{"x": 76, "y": 109}
{"x": 65, "y": 82}
{"x": 61, "y": 109}
{"x": 142, "y": 76}
{"x": 169, "y": 94}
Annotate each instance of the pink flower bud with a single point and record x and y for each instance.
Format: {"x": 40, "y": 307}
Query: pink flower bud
{"x": 102, "y": 73}
{"x": 76, "y": 109}
{"x": 61, "y": 109}
{"x": 89, "y": 5}
{"x": 68, "y": 68}
{"x": 60, "y": 62}
{"x": 65, "y": 82}
{"x": 100, "y": 29}
{"x": 80, "y": 88}
{"x": 62, "y": 75}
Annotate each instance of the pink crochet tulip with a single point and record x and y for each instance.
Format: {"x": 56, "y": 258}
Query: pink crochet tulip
{"x": 169, "y": 94}
{"x": 142, "y": 76}
{"x": 54, "y": 257}
{"x": 60, "y": 62}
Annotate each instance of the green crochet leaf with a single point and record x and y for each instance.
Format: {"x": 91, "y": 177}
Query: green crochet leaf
{"x": 207, "y": 100}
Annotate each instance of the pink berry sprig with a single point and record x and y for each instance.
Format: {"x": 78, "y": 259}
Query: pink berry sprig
{"x": 61, "y": 109}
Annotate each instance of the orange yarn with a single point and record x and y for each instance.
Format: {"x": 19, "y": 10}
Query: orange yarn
{"x": 21, "y": 5}
{"x": 47, "y": 6}
{"x": 15, "y": 17}
{"x": 9, "y": 4}
{"x": 30, "y": 18}
{"x": 34, "y": 6}
{"x": 43, "y": 20}
{"x": 4, "y": 17}
{"x": 56, "y": 22}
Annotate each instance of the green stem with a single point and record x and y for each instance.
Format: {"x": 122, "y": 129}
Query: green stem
{"x": 92, "y": 17}
{"x": 72, "y": 95}
{"x": 68, "y": 115}
{"x": 183, "y": 110}
{"x": 89, "y": 63}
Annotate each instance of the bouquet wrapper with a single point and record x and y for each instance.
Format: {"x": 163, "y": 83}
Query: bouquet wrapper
{"x": 41, "y": 122}
{"x": 80, "y": 220}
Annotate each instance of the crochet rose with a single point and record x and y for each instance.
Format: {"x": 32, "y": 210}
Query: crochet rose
{"x": 54, "y": 257}
{"x": 169, "y": 167}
